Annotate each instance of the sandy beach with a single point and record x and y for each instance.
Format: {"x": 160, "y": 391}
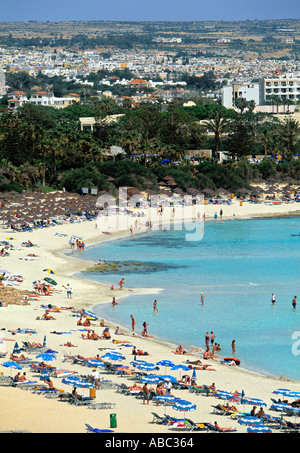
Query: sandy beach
{"x": 22, "y": 410}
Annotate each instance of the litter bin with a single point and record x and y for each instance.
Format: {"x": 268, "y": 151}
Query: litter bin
{"x": 113, "y": 420}
{"x": 92, "y": 393}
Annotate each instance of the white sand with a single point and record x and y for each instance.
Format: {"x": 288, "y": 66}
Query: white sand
{"x": 22, "y": 410}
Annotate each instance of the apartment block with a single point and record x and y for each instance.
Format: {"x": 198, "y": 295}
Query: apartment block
{"x": 285, "y": 87}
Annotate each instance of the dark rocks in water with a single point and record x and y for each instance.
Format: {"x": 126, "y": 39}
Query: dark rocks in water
{"x": 125, "y": 267}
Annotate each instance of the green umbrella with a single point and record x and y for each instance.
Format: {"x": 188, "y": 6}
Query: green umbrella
{"x": 50, "y": 280}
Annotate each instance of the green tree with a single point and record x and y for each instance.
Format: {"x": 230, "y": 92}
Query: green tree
{"x": 288, "y": 132}
{"x": 218, "y": 125}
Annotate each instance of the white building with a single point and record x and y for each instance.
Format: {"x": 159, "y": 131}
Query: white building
{"x": 231, "y": 93}
{"x": 46, "y": 98}
{"x": 285, "y": 87}
{"x": 2, "y": 84}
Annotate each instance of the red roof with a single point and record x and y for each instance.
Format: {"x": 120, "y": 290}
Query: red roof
{"x": 138, "y": 81}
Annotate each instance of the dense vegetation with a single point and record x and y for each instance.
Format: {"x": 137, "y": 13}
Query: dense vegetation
{"x": 45, "y": 147}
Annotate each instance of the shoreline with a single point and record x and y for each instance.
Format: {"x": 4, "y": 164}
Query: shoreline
{"x": 88, "y": 294}
{"x": 144, "y": 290}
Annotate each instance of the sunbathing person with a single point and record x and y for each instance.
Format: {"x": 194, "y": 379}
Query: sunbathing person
{"x": 195, "y": 362}
{"x": 94, "y": 336}
{"x": 180, "y": 350}
{"x": 106, "y": 334}
{"x": 75, "y": 394}
{"x": 50, "y": 384}
{"x": 34, "y": 345}
{"x": 223, "y": 429}
{"x": 23, "y": 378}
{"x": 70, "y": 345}
{"x": 141, "y": 352}
{"x": 17, "y": 377}
{"x": 18, "y": 359}
{"x": 47, "y": 316}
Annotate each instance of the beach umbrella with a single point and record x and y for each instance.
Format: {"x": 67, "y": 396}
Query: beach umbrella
{"x": 281, "y": 407}
{"x": 84, "y": 384}
{"x": 113, "y": 356}
{"x": 95, "y": 363}
{"x": 184, "y": 406}
{"x": 194, "y": 375}
{"x": 249, "y": 420}
{"x": 51, "y": 281}
{"x": 44, "y": 341}
{"x": 50, "y": 271}
{"x": 151, "y": 379}
{"x": 11, "y": 239}
{"x": 46, "y": 357}
{"x": 11, "y": 364}
{"x": 4, "y": 271}
{"x": 138, "y": 362}
{"x": 16, "y": 349}
{"x": 165, "y": 363}
{"x": 70, "y": 380}
{"x": 180, "y": 367}
{"x": 292, "y": 394}
{"x": 254, "y": 402}
{"x": 166, "y": 377}
{"x": 224, "y": 395}
{"x": 90, "y": 314}
{"x": 281, "y": 391}
{"x": 147, "y": 367}
{"x": 165, "y": 399}
{"x": 259, "y": 429}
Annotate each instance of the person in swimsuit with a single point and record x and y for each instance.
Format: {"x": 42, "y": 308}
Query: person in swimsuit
{"x": 132, "y": 322}
{"x": 155, "y": 309}
{"x": 294, "y": 302}
{"x": 233, "y": 347}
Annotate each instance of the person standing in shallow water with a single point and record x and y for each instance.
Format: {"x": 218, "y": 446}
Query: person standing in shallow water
{"x": 294, "y": 302}
{"x": 132, "y": 322}
{"x": 155, "y": 309}
{"x": 233, "y": 347}
{"x": 273, "y": 299}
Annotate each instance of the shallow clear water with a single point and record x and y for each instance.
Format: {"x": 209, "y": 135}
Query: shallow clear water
{"x": 237, "y": 266}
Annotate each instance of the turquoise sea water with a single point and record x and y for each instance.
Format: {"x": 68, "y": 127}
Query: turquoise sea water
{"x": 237, "y": 266}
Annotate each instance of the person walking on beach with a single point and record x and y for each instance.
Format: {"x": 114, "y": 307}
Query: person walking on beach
{"x": 145, "y": 393}
{"x": 294, "y": 302}
{"x": 132, "y": 322}
{"x": 121, "y": 282}
{"x": 273, "y": 299}
{"x": 155, "y": 309}
{"x": 69, "y": 290}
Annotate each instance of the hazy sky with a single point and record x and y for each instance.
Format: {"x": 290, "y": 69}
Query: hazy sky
{"x": 146, "y": 10}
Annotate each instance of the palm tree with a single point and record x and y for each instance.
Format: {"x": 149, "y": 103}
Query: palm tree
{"x": 241, "y": 104}
{"x": 130, "y": 142}
{"x": 289, "y": 132}
{"x": 218, "y": 125}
